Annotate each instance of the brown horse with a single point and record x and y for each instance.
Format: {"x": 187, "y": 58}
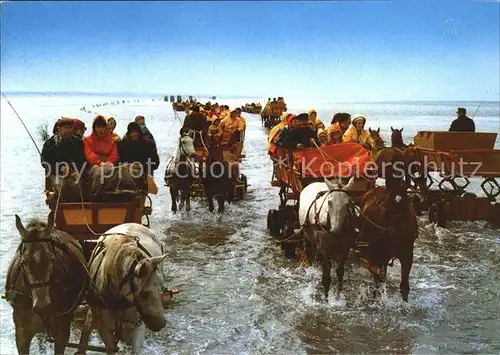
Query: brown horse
{"x": 388, "y": 229}
{"x": 217, "y": 176}
{"x": 45, "y": 283}
{"x": 392, "y": 163}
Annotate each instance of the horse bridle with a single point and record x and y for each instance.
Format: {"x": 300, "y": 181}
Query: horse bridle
{"x": 41, "y": 240}
{"x": 123, "y": 303}
{"x": 351, "y": 212}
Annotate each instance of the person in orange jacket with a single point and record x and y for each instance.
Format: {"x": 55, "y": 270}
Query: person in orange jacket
{"x": 100, "y": 147}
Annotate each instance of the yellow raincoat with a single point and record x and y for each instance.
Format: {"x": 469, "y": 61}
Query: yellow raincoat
{"x": 351, "y": 135}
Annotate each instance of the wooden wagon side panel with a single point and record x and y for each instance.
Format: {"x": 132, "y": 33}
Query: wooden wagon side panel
{"x": 82, "y": 220}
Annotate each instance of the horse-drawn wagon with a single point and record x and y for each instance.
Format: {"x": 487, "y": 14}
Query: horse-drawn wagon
{"x": 326, "y": 218}
{"x": 272, "y": 112}
{"x": 206, "y": 168}
{"x": 294, "y": 170}
{"x": 447, "y": 161}
{"x": 46, "y": 291}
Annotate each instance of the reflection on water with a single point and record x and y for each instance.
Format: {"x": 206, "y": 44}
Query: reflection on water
{"x": 239, "y": 294}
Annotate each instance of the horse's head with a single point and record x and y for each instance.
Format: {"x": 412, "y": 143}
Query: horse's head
{"x": 397, "y": 138}
{"x": 37, "y": 257}
{"x": 186, "y": 146}
{"x": 148, "y": 280}
{"x": 377, "y": 138}
{"x": 339, "y": 203}
{"x": 128, "y": 273}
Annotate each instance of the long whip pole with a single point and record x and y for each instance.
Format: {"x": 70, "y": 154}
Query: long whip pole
{"x": 20, "y": 119}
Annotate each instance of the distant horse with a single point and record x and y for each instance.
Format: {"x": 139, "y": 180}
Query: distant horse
{"x": 180, "y": 174}
{"x": 126, "y": 269}
{"x": 45, "y": 283}
{"x": 217, "y": 179}
{"x": 327, "y": 218}
{"x": 389, "y": 229}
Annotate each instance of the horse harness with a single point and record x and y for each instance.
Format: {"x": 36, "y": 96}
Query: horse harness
{"x": 10, "y": 294}
{"x": 351, "y": 213}
{"x": 107, "y": 300}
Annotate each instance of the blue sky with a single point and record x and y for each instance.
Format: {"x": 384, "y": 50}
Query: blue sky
{"x": 364, "y": 51}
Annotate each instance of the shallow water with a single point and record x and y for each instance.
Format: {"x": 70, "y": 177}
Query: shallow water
{"x": 239, "y": 294}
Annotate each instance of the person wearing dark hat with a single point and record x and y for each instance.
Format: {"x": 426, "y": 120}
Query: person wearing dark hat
{"x": 63, "y": 156}
{"x": 300, "y": 134}
{"x": 462, "y": 123}
{"x": 134, "y": 149}
{"x": 340, "y": 123}
{"x": 146, "y": 134}
{"x": 78, "y": 128}
{"x": 63, "y": 147}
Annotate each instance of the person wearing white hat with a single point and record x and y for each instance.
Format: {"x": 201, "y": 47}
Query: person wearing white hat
{"x": 357, "y": 133}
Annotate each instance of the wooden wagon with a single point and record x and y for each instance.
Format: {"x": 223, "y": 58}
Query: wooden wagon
{"x": 271, "y": 114}
{"x": 87, "y": 220}
{"x": 233, "y": 155}
{"x": 457, "y": 157}
{"x": 294, "y": 170}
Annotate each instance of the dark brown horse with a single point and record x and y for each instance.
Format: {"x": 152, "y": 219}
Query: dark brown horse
{"x": 217, "y": 176}
{"x": 388, "y": 231}
{"x": 45, "y": 283}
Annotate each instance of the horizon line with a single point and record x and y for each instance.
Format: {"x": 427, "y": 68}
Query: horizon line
{"x": 185, "y": 96}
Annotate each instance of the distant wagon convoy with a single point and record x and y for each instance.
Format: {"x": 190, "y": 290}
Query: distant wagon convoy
{"x": 272, "y": 112}
{"x": 253, "y": 107}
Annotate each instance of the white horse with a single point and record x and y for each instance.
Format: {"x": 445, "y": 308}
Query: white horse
{"x": 179, "y": 174}
{"x": 126, "y": 270}
{"x": 327, "y": 219}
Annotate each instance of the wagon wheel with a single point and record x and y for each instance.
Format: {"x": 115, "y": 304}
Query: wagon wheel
{"x": 437, "y": 214}
{"x": 491, "y": 188}
{"x": 272, "y": 223}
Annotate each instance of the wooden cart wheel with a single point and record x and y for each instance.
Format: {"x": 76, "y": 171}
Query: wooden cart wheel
{"x": 437, "y": 215}
{"x": 272, "y": 223}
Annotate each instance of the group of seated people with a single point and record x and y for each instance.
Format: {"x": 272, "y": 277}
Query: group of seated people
{"x": 214, "y": 125}
{"x": 306, "y": 130}
{"x": 100, "y": 156}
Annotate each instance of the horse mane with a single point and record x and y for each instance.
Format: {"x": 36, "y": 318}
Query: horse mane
{"x": 119, "y": 252}
{"x": 36, "y": 223}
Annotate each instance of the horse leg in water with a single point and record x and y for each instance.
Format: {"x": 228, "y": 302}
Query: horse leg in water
{"x": 406, "y": 264}
{"x": 340, "y": 269}
{"x": 327, "y": 278}
{"x": 138, "y": 338}
{"x": 220, "y": 202}
{"x": 62, "y": 334}
{"x": 24, "y": 334}
{"x": 173, "y": 195}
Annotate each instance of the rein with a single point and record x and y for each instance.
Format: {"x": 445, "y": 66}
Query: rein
{"x": 317, "y": 212}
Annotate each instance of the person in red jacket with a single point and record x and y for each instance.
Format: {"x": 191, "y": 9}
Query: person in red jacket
{"x": 100, "y": 147}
